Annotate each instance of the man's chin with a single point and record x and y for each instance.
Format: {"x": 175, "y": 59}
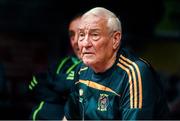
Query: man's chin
{"x": 88, "y": 62}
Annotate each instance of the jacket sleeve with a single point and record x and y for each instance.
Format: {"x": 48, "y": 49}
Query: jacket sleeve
{"x": 50, "y": 101}
{"x": 143, "y": 98}
{"x": 48, "y": 104}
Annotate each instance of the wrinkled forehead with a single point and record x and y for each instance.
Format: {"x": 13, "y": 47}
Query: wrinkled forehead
{"x": 92, "y": 21}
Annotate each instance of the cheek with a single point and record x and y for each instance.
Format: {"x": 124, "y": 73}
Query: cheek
{"x": 76, "y": 38}
{"x": 71, "y": 39}
{"x": 79, "y": 45}
{"x": 103, "y": 48}
{"x": 72, "y": 43}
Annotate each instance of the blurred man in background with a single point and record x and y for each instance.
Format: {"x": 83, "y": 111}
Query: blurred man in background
{"x": 52, "y": 87}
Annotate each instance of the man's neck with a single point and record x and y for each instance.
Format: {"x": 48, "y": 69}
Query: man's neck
{"x": 102, "y": 67}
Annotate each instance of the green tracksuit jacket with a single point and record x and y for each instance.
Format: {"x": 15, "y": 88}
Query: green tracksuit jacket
{"x": 129, "y": 90}
{"x": 52, "y": 88}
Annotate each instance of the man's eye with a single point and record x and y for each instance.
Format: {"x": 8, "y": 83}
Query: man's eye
{"x": 71, "y": 34}
{"x": 81, "y": 36}
{"x": 95, "y": 36}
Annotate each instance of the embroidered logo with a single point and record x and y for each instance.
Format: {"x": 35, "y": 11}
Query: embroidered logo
{"x": 103, "y": 102}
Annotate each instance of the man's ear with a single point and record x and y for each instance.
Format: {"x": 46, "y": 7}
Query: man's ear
{"x": 116, "y": 39}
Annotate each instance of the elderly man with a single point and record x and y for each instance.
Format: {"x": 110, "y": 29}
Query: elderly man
{"x": 112, "y": 83}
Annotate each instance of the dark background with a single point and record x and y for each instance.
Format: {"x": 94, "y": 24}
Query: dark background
{"x": 34, "y": 32}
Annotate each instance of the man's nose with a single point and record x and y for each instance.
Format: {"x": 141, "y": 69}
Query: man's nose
{"x": 87, "y": 41}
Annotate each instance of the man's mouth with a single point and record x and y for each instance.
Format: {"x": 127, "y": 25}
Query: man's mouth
{"x": 87, "y": 53}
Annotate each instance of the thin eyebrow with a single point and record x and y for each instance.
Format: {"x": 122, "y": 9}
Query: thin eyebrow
{"x": 80, "y": 30}
{"x": 90, "y": 31}
{"x": 95, "y": 30}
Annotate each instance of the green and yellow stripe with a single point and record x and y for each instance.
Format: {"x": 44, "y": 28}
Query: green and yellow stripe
{"x": 97, "y": 86}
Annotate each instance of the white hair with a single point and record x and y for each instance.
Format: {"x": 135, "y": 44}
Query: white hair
{"x": 113, "y": 22}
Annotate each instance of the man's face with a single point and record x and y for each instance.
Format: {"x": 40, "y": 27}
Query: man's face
{"x": 73, "y": 33}
{"x": 95, "y": 42}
